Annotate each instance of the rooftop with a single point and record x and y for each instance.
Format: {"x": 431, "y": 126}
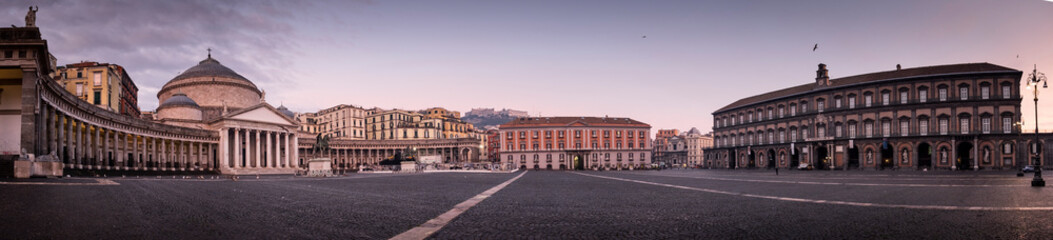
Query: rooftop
{"x": 964, "y": 68}
{"x": 569, "y": 121}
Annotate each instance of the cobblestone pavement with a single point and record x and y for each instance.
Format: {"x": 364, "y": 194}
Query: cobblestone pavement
{"x": 545, "y": 205}
{"x": 365, "y": 206}
{"x": 678, "y": 204}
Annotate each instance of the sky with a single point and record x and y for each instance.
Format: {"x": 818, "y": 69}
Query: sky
{"x": 666, "y": 63}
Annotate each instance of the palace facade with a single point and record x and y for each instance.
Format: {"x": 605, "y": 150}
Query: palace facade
{"x": 577, "y": 143}
{"x": 960, "y": 116}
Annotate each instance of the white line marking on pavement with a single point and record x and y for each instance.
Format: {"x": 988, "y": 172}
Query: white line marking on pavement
{"x": 433, "y": 225}
{"x": 98, "y": 182}
{"x": 846, "y": 184}
{"x": 831, "y": 202}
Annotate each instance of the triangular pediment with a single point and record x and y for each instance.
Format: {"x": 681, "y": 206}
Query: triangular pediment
{"x": 261, "y": 113}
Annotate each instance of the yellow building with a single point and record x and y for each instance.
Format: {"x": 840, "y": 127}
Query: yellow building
{"x": 340, "y": 121}
{"x": 432, "y": 123}
{"x": 96, "y": 83}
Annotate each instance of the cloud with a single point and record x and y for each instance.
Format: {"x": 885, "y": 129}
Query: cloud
{"x": 156, "y": 40}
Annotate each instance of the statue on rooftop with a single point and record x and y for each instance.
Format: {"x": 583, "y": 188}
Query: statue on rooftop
{"x": 31, "y": 17}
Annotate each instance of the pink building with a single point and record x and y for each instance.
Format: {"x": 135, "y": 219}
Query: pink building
{"x": 577, "y": 143}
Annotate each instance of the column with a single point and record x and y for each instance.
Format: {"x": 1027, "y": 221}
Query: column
{"x": 105, "y": 158}
{"x": 181, "y": 156}
{"x": 49, "y": 128}
{"x": 285, "y": 142}
{"x": 163, "y": 159}
{"x": 61, "y": 140}
{"x": 256, "y": 151}
{"x": 80, "y": 144}
{"x": 270, "y": 150}
{"x": 96, "y": 149}
{"x": 296, "y": 152}
{"x": 223, "y": 145}
{"x": 208, "y": 158}
{"x": 237, "y": 148}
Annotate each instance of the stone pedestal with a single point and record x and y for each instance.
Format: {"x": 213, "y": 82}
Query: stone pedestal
{"x": 319, "y": 167}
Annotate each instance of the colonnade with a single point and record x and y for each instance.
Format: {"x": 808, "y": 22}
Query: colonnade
{"x": 258, "y": 148}
{"x": 351, "y": 158}
{"x": 91, "y": 143}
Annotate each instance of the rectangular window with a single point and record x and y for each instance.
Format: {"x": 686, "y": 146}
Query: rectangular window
{"x": 837, "y": 130}
{"x": 985, "y": 125}
{"x": 985, "y": 92}
{"x": 903, "y": 97}
{"x": 80, "y": 89}
{"x": 867, "y": 100}
{"x": 1006, "y": 92}
{"x": 820, "y": 105}
{"x": 886, "y": 129}
{"x": 1007, "y": 125}
{"x": 780, "y": 112}
{"x": 804, "y": 107}
{"x": 97, "y": 78}
{"x": 943, "y": 94}
{"x": 923, "y": 95}
{"x": 837, "y": 103}
{"x": 98, "y": 97}
{"x": 793, "y": 111}
{"x": 751, "y": 117}
{"x": 868, "y": 129}
{"x": 852, "y": 102}
{"x": 782, "y": 136}
{"x": 963, "y": 93}
{"x": 769, "y": 113}
{"x": 964, "y": 125}
{"x": 923, "y": 127}
{"x": 885, "y": 98}
{"x": 820, "y": 132}
{"x": 904, "y": 127}
{"x": 851, "y": 130}
{"x": 943, "y": 126}
{"x": 793, "y": 135}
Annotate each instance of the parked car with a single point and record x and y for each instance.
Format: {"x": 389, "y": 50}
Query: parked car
{"x": 1028, "y": 168}
{"x": 804, "y": 166}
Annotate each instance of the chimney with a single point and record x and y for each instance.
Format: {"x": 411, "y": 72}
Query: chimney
{"x": 822, "y": 79}
{"x": 898, "y": 67}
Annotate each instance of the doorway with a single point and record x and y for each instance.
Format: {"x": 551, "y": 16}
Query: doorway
{"x": 853, "y": 157}
{"x": 964, "y": 159}
{"x": 887, "y": 154}
{"x": 820, "y": 158}
{"x": 924, "y": 156}
{"x": 771, "y": 158}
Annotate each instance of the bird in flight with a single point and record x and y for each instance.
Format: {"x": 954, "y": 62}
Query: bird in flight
{"x": 644, "y": 36}
{"x": 816, "y": 47}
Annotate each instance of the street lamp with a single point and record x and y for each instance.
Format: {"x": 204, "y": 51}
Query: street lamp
{"x": 1033, "y": 80}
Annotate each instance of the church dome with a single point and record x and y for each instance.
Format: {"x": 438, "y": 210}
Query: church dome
{"x": 285, "y": 111}
{"x": 210, "y": 68}
{"x": 213, "y": 87}
{"x": 179, "y": 107}
{"x": 178, "y": 99}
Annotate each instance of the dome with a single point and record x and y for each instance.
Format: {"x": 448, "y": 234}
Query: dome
{"x": 694, "y": 131}
{"x": 179, "y": 107}
{"x": 210, "y": 68}
{"x": 214, "y": 88}
{"x": 286, "y": 112}
{"x": 178, "y": 99}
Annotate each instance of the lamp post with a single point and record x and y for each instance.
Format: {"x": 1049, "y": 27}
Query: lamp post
{"x": 1033, "y": 80}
